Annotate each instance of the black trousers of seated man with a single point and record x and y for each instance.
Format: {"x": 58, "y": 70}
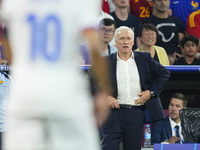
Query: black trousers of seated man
{"x": 124, "y": 124}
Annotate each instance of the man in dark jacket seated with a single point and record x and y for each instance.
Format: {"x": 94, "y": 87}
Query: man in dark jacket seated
{"x": 170, "y": 130}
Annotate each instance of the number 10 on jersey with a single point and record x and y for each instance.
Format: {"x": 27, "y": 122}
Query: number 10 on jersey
{"x": 40, "y": 39}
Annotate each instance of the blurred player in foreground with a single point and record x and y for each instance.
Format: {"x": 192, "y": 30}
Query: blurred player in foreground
{"x": 50, "y": 107}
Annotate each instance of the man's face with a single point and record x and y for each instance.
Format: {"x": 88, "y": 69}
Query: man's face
{"x": 189, "y": 49}
{"x": 174, "y": 107}
{"x": 124, "y": 42}
{"x": 161, "y": 5}
{"x": 106, "y": 33}
{"x": 121, "y": 3}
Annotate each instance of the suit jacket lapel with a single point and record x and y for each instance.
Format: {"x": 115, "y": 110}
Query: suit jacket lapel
{"x": 168, "y": 127}
{"x": 113, "y": 67}
{"x": 140, "y": 68}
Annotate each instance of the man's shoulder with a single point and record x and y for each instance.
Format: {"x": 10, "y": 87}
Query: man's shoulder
{"x": 112, "y": 49}
{"x": 113, "y": 14}
{"x": 196, "y": 61}
{"x": 153, "y": 19}
{"x": 194, "y": 13}
{"x": 174, "y": 19}
{"x": 180, "y": 61}
{"x": 132, "y": 17}
{"x": 163, "y": 122}
{"x": 193, "y": 18}
{"x": 111, "y": 56}
{"x": 141, "y": 54}
{"x": 149, "y": 19}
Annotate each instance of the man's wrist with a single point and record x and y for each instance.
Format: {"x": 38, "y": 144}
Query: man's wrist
{"x": 152, "y": 93}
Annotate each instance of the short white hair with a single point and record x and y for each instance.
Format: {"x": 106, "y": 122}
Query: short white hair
{"x": 124, "y": 28}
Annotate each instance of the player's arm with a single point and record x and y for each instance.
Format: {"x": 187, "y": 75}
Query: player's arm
{"x": 99, "y": 64}
{"x": 99, "y": 67}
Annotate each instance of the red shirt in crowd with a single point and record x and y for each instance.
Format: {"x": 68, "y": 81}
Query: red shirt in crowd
{"x": 140, "y": 8}
{"x": 193, "y": 24}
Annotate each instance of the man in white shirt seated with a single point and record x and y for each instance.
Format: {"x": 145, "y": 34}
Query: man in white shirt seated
{"x": 169, "y": 130}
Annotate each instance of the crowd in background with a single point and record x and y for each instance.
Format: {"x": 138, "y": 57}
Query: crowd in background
{"x": 173, "y": 20}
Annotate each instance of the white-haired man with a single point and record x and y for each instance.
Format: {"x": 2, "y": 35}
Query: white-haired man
{"x": 136, "y": 82}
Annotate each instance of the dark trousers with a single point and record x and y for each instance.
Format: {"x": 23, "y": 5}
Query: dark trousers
{"x": 126, "y": 125}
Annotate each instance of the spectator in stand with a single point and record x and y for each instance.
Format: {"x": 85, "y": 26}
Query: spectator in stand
{"x": 140, "y": 8}
{"x": 103, "y": 15}
{"x": 189, "y": 49}
{"x": 123, "y": 18}
{"x": 105, "y": 33}
{"x": 193, "y": 25}
{"x": 170, "y": 29}
{"x": 183, "y": 8}
{"x": 169, "y": 130}
{"x": 148, "y": 34}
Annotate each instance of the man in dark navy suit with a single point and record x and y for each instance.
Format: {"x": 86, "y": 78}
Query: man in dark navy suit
{"x": 136, "y": 82}
{"x": 169, "y": 130}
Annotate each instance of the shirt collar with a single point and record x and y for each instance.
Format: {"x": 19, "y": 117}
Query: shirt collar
{"x": 173, "y": 124}
{"x": 118, "y": 58}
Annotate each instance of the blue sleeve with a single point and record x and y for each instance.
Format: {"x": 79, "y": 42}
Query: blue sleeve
{"x": 171, "y": 5}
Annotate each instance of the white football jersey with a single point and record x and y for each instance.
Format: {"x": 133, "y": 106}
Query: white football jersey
{"x": 44, "y": 37}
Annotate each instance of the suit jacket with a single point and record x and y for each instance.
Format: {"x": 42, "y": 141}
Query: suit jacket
{"x": 153, "y": 77}
{"x": 161, "y": 131}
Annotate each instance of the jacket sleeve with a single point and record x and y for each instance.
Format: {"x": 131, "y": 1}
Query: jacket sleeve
{"x": 156, "y": 133}
{"x": 159, "y": 73}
